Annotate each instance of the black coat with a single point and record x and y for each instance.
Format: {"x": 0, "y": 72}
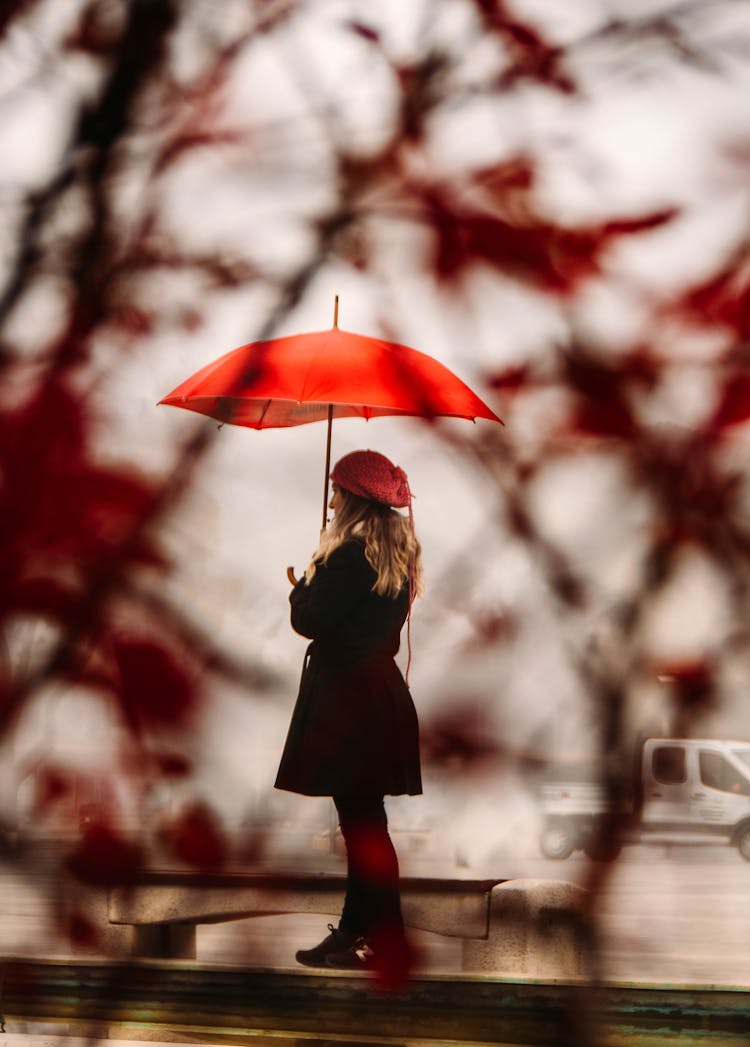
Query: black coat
{"x": 354, "y": 727}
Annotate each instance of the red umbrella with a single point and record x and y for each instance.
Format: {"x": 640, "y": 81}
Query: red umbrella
{"x": 325, "y": 375}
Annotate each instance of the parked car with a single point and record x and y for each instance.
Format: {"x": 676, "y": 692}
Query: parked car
{"x": 685, "y": 790}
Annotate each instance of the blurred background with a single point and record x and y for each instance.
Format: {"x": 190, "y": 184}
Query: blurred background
{"x": 550, "y": 199}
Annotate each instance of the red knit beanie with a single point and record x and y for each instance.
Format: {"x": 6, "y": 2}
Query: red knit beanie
{"x": 372, "y": 475}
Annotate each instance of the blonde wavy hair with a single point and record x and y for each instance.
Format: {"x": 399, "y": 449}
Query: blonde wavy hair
{"x": 391, "y": 547}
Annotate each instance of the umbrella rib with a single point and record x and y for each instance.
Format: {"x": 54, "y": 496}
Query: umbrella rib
{"x": 263, "y": 413}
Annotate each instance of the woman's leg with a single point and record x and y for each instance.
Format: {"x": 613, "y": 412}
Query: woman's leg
{"x": 372, "y": 905}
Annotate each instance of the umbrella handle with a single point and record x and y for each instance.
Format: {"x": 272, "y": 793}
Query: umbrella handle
{"x": 290, "y": 576}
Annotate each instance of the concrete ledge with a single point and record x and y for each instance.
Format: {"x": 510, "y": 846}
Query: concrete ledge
{"x": 456, "y": 915}
{"x": 456, "y": 908}
{"x": 518, "y": 927}
{"x": 534, "y": 931}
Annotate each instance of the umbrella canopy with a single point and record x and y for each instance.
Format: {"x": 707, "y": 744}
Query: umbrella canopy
{"x": 323, "y": 375}
{"x": 293, "y": 380}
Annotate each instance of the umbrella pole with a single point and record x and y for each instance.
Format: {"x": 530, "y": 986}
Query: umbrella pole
{"x": 330, "y": 426}
{"x": 328, "y": 465}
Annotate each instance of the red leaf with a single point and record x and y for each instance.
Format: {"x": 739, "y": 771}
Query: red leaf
{"x": 365, "y": 31}
{"x": 602, "y": 409}
{"x": 46, "y": 597}
{"x": 690, "y": 670}
{"x": 104, "y": 858}
{"x": 417, "y": 94}
{"x": 49, "y": 428}
{"x": 370, "y": 855}
{"x": 197, "y": 138}
{"x": 458, "y": 740}
{"x": 693, "y": 681}
{"x": 491, "y": 627}
{"x": 531, "y": 55}
{"x": 172, "y": 765}
{"x": 153, "y": 689}
{"x": 133, "y": 321}
{"x": 109, "y": 503}
{"x": 68, "y": 516}
{"x": 511, "y": 379}
{"x": 507, "y": 186}
{"x": 722, "y": 300}
{"x": 733, "y": 407}
{"x": 191, "y": 319}
{"x": 628, "y": 226}
{"x": 395, "y": 959}
{"x": 81, "y": 931}
{"x": 196, "y": 838}
{"x": 605, "y": 417}
{"x": 555, "y": 258}
{"x": 51, "y": 784}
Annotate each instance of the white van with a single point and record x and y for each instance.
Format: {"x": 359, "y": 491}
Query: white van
{"x": 688, "y": 790}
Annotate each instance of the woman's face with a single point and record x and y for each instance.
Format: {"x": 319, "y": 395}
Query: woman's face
{"x": 337, "y": 499}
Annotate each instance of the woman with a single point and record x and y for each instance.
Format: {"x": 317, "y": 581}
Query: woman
{"x": 354, "y": 733}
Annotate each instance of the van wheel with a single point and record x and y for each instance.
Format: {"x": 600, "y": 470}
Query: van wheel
{"x": 742, "y": 841}
{"x": 557, "y": 841}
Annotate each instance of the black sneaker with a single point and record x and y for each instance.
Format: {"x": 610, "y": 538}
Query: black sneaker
{"x": 336, "y": 942}
{"x": 357, "y": 957}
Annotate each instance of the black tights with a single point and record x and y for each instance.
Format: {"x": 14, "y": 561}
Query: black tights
{"x": 373, "y": 901}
